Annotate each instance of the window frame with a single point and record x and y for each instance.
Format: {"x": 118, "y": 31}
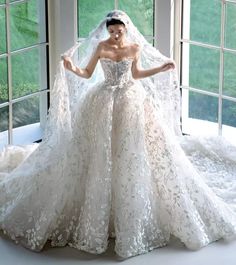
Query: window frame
{"x": 43, "y": 94}
{"x": 179, "y": 41}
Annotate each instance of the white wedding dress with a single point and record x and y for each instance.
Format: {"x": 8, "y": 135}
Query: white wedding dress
{"x": 121, "y": 174}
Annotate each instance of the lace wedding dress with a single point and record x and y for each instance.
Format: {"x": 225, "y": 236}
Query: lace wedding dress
{"x": 120, "y": 172}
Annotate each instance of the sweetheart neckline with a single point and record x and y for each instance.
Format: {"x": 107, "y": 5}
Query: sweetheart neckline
{"x": 124, "y": 59}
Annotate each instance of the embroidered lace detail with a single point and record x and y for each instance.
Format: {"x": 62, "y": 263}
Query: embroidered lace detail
{"x": 117, "y": 73}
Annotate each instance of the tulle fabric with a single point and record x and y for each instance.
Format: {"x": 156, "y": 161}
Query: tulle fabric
{"x": 112, "y": 163}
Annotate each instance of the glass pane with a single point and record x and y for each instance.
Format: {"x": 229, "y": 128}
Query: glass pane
{"x": 90, "y": 13}
{"x": 2, "y": 2}
{"x": 229, "y": 113}
{"x": 141, "y": 13}
{"x": 26, "y": 112}
{"x": 4, "y": 115}
{"x": 230, "y": 30}
{"x": 150, "y": 40}
{"x": 203, "y": 107}
{"x": 3, "y": 44}
{"x": 3, "y": 81}
{"x": 202, "y": 21}
{"x": 229, "y": 88}
{"x": 201, "y": 67}
{"x": 27, "y": 24}
{"x": 29, "y": 72}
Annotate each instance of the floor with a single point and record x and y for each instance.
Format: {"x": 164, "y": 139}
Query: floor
{"x": 175, "y": 254}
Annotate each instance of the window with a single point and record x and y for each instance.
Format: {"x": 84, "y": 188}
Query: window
{"x": 91, "y": 12}
{"x": 208, "y": 67}
{"x": 23, "y": 70}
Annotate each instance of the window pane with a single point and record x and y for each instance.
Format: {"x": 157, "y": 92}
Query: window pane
{"x": 202, "y": 21}
{"x": 2, "y": 30}
{"x": 3, "y": 81}
{"x": 141, "y": 13}
{"x": 150, "y": 40}
{"x": 230, "y": 30}
{"x": 90, "y": 13}
{"x": 229, "y": 113}
{"x": 2, "y": 2}
{"x": 200, "y": 67}
{"x": 29, "y": 72}
{"x": 27, "y": 24}
{"x": 26, "y": 112}
{"x": 203, "y": 107}
{"x": 4, "y": 113}
{"x": 229, "y": 74}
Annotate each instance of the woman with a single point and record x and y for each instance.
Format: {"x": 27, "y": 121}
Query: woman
{"x": 110, "y": 164}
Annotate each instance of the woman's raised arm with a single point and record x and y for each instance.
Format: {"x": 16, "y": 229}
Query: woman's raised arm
{"x": 83, "y": 72}
{"x": 138, "y": 73}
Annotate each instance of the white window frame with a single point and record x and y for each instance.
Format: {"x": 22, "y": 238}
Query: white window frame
{"x": 32, "y": 132}
{"x": 190, "y": 125}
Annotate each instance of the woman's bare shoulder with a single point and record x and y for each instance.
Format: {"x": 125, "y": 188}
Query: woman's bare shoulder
{"x": 134, "y": 49}
{"x": 103, "y": 43}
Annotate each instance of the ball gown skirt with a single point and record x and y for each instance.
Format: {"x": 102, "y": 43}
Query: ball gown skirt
{"x": 122, "y": 174}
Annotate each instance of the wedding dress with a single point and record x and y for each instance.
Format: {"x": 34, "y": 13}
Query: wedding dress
{"x": 112, "y": 164}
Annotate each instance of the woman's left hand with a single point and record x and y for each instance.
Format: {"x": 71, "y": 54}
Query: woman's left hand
{"x": 167, "y": 66}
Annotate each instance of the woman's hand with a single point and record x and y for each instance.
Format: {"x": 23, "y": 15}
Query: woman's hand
{"x": 167, "y": 66}
{"x": 68, "y": 64}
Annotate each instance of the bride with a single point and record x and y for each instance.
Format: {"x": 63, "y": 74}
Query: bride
{"x": 111, "y": 162}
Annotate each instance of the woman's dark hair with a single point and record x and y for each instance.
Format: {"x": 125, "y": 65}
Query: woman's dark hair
{"x": 114, "y": 21}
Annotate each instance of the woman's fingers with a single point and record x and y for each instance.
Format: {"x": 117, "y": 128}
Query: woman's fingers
{"x": 168, "y": 66}
{"x": 67, "y": 62}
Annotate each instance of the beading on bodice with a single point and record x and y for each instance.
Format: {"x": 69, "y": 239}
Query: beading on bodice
{"x": 117, "y": 73}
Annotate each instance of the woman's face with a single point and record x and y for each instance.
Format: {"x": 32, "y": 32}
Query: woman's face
{"x": 117, "y": 32}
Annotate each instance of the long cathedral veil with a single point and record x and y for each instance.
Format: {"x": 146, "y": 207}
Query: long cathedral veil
{"x": 56, "y": 180}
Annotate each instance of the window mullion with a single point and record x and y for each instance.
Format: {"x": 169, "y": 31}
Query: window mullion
{"x": 9, "y": 73}
{"x": 221, "y": 70}
{"x": 116, "y": 4}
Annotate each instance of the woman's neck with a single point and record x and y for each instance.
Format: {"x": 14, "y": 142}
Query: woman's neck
{"x": 119, "y": 44}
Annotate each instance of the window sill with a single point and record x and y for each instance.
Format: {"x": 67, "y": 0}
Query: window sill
{"x": 22, "y": 135}
{"x": 197, "y": 127}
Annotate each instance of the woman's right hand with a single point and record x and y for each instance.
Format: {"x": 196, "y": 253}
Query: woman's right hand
{"x": 68, "y": 64}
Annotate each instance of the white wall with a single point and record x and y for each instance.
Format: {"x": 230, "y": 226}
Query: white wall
{"x": 163, "y": 26}
{"x": 62, "y": 29}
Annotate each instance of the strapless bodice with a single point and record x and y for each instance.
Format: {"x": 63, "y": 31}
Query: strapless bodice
{"x": 117, "y": 72}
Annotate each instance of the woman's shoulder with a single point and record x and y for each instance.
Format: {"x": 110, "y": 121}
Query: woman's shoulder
{"x": 102, "y": 43}
{"x": 135, "y": 47}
